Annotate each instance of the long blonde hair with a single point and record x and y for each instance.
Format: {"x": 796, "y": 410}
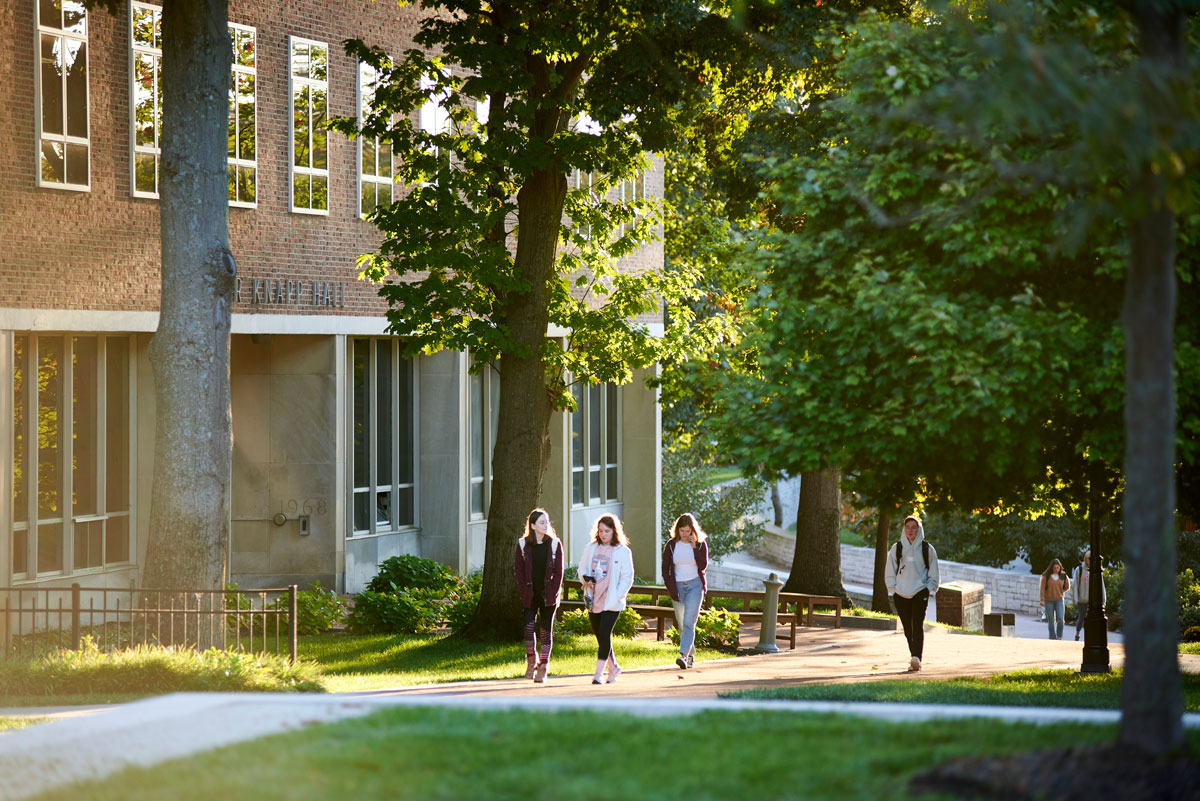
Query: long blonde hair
{"x": 687, "y": 519}
{"x": 613, "y": 522}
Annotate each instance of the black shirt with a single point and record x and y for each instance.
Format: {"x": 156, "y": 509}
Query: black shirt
{"x": 541, "y": 555}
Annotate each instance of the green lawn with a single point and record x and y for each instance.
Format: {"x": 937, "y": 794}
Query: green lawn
{"x": 1047, "y": 688}
{"x": 7, "y": 724}
{"x": 370, "y": 662}
{"x": 437, "y": 753}
{"x": 722, "y": 474}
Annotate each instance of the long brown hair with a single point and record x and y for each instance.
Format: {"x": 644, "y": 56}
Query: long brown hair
{"x": 613, "y": 522}
{"x": 534, "y": 516}
{"x": 687, "y": 519}
{"x": 1050, "y": 569}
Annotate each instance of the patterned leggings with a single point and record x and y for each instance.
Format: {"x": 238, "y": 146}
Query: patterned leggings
{"x": 539, "y": 622}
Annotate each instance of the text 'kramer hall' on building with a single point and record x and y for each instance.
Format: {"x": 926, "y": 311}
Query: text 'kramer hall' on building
{"x": 367, "y": 455}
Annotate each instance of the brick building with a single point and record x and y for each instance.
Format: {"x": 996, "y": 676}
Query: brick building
{"x": 344, "y": 454}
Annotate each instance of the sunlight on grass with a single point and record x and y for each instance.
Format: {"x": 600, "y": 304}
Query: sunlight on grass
{"x": 11, "y": 724}
{"x": 1045, "y": 688}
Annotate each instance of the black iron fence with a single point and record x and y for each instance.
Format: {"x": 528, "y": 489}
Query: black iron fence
{"x": 36, "y": 619}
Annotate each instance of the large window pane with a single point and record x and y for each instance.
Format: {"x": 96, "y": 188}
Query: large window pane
{"x": 77, "y": 100}
{"x": 477, "y": 428}
{"x": 116, "y": 539}
{"x": 20, "y": 426}
{"x": 84, "y": 430}
{"x": 50, "y": 415}
{"x": 594, "y": 430}
{"x": 404, "y": 436}
{"x": 362, "y": 514}
{"x": 362, "y": 421}
{"x": 89, "y": 544}
{"x": 50, "y": 548}
{"x": 116, "y": 420}
{"x": 320, "y": 152}
{"x": 384, "y": 409}
{"x": 20, "y": 552}
{"x": 52, "y": 85}
{"x": 300, "y": 152}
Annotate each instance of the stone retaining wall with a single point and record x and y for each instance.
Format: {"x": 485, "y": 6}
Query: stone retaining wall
{"x": 1010, "y": 591}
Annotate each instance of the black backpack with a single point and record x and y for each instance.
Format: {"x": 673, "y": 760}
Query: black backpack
{"x": 924, "y": 551}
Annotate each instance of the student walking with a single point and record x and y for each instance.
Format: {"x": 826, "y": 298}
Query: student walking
{"x": 538, "y": 566}
{"x": 1081, "y": 587}
{"x": 1054, "y": 588}
{"x": 684, "y": 561}
{"x": 911, "y": 575}
{"x": 606, "y": 570}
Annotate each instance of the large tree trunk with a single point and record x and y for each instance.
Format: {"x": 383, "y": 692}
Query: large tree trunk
{"x": 189, "y": 505}
{"x": 880, "y": 602}
{"x": 817, "y": 563}
{"x": 1151, "y": 696}
{"x": 523, "y": 434}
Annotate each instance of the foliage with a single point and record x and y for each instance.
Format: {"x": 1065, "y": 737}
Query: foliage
{"x": 1189, "y": 601}
{"x": 575, "y": 622}
{"x": 319, "y": 609}
{"x": 716, "y": 629}
{"x": 148, "y": 669}
{"x": 408, "y": 572}
{"x": 412, "y": 611}
{"x": 1192, "y": 634}
{"x": 462, "y": 603}
{"x": 1033, "y": 688}
{"x": 979, "y": 538}
{"x": 727, "y": 512}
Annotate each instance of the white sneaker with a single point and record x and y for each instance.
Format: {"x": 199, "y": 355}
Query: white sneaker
{"x": 914, "y": 664}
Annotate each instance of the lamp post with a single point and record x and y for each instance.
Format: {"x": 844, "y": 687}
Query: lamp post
{"x": 1095, "y": 626}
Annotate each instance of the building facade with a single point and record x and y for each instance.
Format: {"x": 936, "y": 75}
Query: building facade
{"x": 344, "y": 452}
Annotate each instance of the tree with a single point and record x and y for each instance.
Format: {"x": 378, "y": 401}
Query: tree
{"x": 534, "y": 94}
{"x": 193, "y": 442}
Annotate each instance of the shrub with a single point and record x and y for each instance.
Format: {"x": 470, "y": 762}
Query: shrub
{"x": 461, "y": 606}
{"x": 1192, "y": 634}
{"x": 715, "y": 628}
{"x": 408, "y": 572}
{"x": 415, "y": 611}
{"x": 1189, "y": 600}
{"x": 575, "y": 622}
{"x": 154, "y": 669}
{"x": 726, "y": 513}
{"x": 319, "y": 609}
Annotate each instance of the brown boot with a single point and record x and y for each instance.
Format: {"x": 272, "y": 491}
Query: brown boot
{"x": 531, "y": 663}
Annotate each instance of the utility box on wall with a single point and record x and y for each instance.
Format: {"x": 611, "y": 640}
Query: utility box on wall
{"x": 960, "y": 603}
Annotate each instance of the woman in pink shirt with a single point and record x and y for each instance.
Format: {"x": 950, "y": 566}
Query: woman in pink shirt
{"x": 607, "y": 573}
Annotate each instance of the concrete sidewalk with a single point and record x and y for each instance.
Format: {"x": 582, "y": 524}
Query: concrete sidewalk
{"x": 146, "y": 732}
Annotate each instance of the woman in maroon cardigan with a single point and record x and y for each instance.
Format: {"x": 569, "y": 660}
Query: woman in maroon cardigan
{"x": 538, "y": 566}
{"x": 684, "y": 561}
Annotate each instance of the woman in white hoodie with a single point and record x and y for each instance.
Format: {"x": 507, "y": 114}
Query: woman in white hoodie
{"x": 606, "y": 570}
{"x": 911, "y": 576}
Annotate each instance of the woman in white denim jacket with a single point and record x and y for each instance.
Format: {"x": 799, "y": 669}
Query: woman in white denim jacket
{"x": 606, "y": 570}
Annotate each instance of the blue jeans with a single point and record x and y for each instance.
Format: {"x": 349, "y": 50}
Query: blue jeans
{"x": 1055, "y": 609}
{"x": 687, "y": 612}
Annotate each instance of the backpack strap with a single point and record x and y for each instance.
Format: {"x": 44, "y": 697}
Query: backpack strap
{"x": 925, "y": 552}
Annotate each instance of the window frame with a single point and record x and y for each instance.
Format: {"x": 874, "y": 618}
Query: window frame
{"x": 360, "y": 142}
{"x": 489, "y": 389}
{"x": 236, "y": 69}
{"x": 372, "y": 487}
{"x": 293, "y": 170}
{"x": 135, "y": 50}
{"x": 609, "y": 464}
{"x": 64, "y": 138}
{"x": 67, "y": 517}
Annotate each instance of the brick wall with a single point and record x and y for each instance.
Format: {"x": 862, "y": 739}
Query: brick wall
{"x": 99, "y": 250}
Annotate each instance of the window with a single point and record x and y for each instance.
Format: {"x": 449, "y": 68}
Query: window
{"x": 594, "y": 446}
{"x": 382, "y": 429}
{"x": 586, "y": 181}
{"x": 309, "y": 143}
{"x": 633, "y": 190}
{"x": 485, "y": 410}
{"x": 374, "y": 154}
{"x": 62, "y": 93}
{"x": 145, "y": 23}
{"x": 434, "y": 118}
{"x": 243, "y": 93}
{"x": 72, "y": 453}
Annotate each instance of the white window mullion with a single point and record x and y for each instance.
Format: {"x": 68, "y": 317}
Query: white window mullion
{"x": 63, "y": 157}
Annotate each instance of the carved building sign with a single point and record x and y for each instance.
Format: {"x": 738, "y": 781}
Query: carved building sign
{"x": 286, "y": 292}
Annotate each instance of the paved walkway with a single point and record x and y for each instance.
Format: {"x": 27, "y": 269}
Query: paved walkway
{"x": 146, "y": 732}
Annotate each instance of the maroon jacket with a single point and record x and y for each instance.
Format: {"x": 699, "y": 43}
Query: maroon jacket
{"x": 523, "y": 570}
{"x": 668, "y": 566}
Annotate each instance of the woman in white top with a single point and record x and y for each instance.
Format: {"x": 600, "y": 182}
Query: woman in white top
{"x": 684, "y": 561}
{"x": 606, "y": 571}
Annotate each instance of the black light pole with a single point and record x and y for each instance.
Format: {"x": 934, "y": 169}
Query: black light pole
{"x": 1095, "y": 627}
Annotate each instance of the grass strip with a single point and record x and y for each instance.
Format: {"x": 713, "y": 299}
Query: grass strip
{"x": 437, "y": 753}
{"x": 1039, "y": 688}
{"x": 10, "y": 724}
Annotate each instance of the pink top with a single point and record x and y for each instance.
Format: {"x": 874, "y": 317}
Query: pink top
{"x": 602, "y": 572}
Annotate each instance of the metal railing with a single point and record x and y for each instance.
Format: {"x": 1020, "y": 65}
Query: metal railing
{"x": 37, "y": 619}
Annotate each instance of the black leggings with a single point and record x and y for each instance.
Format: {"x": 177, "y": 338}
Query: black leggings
{"x": 539, "y": 622}
{"x": 602, "y": 625}
{"x": 912, "y": 617}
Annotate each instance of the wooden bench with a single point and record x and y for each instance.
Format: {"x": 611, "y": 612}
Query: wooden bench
{"x": 787, "y": 601}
